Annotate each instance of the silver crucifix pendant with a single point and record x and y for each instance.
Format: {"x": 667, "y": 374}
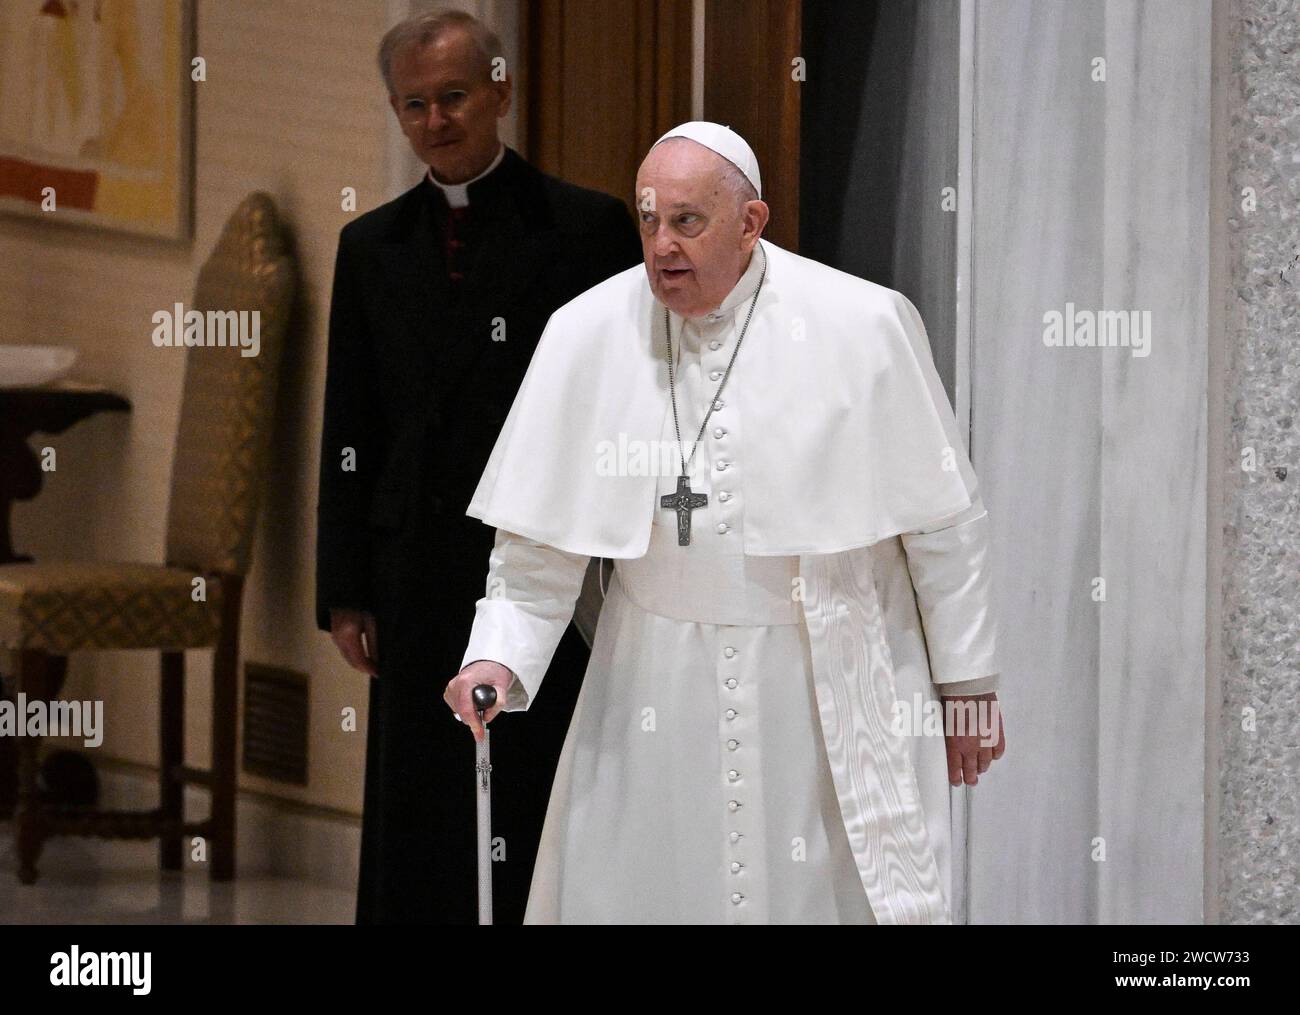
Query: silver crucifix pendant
{"x": 684, "y": 501}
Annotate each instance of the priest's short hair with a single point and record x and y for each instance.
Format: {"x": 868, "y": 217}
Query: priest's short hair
{"x": 429, "y": 26}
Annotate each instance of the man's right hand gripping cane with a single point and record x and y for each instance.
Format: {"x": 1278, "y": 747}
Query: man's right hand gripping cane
{"x": 460, "y": 690}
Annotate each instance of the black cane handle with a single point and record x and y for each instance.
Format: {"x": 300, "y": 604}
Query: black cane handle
{"x": 485, "y": 696}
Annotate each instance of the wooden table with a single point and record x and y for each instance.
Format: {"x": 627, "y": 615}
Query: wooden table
{"x": 50, "y": 409}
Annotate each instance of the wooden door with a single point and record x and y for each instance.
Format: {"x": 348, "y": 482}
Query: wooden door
{"x": 601, "y": 83}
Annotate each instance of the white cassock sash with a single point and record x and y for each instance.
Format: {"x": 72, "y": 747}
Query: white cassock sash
{"x": 875, "y": 780}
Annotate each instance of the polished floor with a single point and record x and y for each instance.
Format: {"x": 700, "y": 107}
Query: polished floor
{"x": 90, "y": 881}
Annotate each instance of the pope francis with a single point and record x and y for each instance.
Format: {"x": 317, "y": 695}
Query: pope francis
{"x": 762, "y": 446}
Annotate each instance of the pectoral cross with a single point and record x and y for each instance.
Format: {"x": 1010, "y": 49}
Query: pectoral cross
{"x": 684, "y": 501}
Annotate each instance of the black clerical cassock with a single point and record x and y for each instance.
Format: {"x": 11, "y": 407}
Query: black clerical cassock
{"x": 434, "y": 317}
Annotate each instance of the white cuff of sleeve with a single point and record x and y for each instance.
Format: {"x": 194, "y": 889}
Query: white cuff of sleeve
{"x": 497, "y": 635}
{"x": 980, "y": 685}
{"x": 950, "y": 571}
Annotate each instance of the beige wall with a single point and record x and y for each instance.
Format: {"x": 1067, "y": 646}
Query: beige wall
{"x": 293, "y": 106}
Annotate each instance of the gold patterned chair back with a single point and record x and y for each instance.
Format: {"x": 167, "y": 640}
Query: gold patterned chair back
{"x": 228, "y": 402}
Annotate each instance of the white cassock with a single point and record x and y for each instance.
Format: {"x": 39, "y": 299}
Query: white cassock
{"x": 735, "y": 754}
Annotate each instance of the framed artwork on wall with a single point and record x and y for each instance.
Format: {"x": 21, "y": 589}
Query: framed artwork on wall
{"x": 96, "y": 113}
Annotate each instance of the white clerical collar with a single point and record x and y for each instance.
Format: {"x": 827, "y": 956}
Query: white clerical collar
{"x": 457, "y": 194}
{"x": 744, "y": 288}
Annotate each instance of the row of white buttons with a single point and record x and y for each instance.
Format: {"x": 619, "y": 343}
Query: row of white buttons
{"x": 733, "y": 775}
{"x": 719, "y": 432}
{"x": 720, "y": 465}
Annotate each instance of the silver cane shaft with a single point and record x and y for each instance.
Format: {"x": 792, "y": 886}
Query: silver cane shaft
{"x": 483, "y": 793}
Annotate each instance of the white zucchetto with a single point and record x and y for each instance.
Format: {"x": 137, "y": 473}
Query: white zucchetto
{"x": 726, "y": 142}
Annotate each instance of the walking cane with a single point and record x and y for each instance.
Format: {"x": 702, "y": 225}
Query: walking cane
{"x": 485, "y": 696}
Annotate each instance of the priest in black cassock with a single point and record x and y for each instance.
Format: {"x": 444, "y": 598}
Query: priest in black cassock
{"x": 439, "y": 299}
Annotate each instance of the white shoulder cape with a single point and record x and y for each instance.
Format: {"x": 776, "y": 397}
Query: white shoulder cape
{"x": 849, "y": 437}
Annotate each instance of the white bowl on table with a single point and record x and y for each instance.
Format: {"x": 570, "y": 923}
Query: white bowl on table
{"x": 23, "y": 366}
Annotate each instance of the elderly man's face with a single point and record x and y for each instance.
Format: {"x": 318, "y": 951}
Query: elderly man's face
{"x": 696, "y": 237}
{"x": 448, "y": 105}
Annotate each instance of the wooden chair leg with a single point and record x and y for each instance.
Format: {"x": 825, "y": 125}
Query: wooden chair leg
{"x": 225, "y": 714}
{"x": 171, "y": 757}
{"x": 33, "y": 680}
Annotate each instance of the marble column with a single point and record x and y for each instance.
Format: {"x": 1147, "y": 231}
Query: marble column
{"x": 1254, "y": 876}
{"x": 1089, "y": 139}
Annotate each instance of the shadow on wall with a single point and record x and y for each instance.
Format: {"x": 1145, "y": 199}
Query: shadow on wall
{"x": 852, "y": 121}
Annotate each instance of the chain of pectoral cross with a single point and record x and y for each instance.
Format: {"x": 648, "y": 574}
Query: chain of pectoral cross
{"x": 685, "y": 500}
